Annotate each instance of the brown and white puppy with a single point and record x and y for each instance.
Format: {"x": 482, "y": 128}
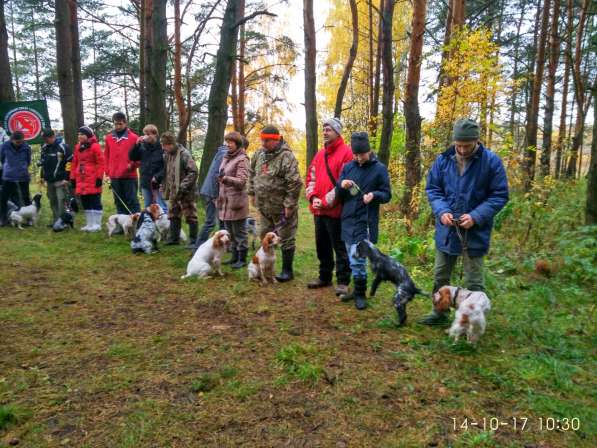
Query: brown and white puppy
{"x": 127, "y": 223}
{"x": 208, "y": 257}
{"x": 470, "y": 306}
{"x": 263, "y": 263}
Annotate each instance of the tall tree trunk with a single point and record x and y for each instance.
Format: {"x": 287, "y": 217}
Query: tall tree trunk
{"x": 388, "y": 83}
{"x": 7, "y": 92}
{"x": 566, "y": 79}
{"x": 411, "y": 108}
{"x": 35, "y": 56}
{"x": 351, "y": 57}
{"x": 148, "y": 50}
{"x": 533, "y": 116}
{"x": 141, "y": 68}
{"x": 591, "y": 207}
{"x": 515, "y": 89}
{"x": 93, "y": 54}
{"x": 76, "y": 62}
{"x": 218, "y": 93}
{"x": 550, "y": 91}
{"x": 371, "y": 60}
{"x": 579, "y": 93}
{"x": 157, "y": 61}
{"x": 178, "y": 95}
{"x": 14, "y": 51}
{"x": 242, "y": 86}
{"x": 310, "y": 80}
{"x": 377, "y": 82}
{"x": 64, "y": 67}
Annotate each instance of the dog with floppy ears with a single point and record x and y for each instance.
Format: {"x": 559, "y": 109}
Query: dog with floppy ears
{"x": 28, "y": 214}
{"x": 208, "y": 257}
{"x": 145, "y": 240}
{"x": 471, "y": 307}
{"x": 263, "y": 264}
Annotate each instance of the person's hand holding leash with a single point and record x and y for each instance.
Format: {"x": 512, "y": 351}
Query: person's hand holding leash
{"x": 317, "y": 204}
{"x": 346, "y": 184}
{"x": 367, "y": 198}
{"x": 447, "y": 219}
{"x": 466, "y": 221}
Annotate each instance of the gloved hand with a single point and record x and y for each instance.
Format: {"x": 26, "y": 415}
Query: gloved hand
{"x": 98, "y": 183}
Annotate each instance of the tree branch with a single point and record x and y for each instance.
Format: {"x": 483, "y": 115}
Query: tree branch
{"x": 252, "y": 16}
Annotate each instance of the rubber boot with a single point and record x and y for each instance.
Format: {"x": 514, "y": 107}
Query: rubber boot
{"x": 360, "y": 293}
{"x": 174, "y": 236}
{"x": 193, "y": 230}
{"x": 435, "y": 318}
{"x": 242, "y": 259}
{"x": 96, "y": 221}
{"x": 233, "y": 257}
{"x": 287, "y": 259}
{"x": 88, "y": 220}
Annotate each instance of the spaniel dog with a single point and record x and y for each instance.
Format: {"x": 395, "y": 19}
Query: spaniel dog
{"x": 208, "y": 256}
{"x": 470, "y": 306}
{"x": 28, "y": 214}
{"x": 125, "y": 222}
{"x": 386, "y": 268}
{"x": 145, "y": 240}
{"x": 262, "y": 266}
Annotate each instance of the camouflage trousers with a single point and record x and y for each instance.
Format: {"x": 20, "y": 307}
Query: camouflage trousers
{"x": 184, "y": 206}
{"x": 287, "y": 232}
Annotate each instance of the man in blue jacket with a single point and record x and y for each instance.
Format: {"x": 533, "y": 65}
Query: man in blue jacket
{"x": 363, "y": 185}
{"x": 466, "y": 187}
{"x": 15, "y": 158}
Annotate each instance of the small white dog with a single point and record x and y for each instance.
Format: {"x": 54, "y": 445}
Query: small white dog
{"x": 208, "y": 257}
{"x": 471, "y": 307}
{"x": 125, "y": 222}
{"x": 262, "y": 266}
{"x": 163, "y": 225}
{"x": 28, "y": 214}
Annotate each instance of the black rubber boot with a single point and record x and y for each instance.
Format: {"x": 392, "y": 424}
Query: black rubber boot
{"x": 360, "y": 293}
{"x": 174, "y": 236}
{"x": 435, "y": 318}
{"x": 242, "y": 259}
{"x": 193, "y": 230}
{"x": 233, "y": 257}
{"x": 287, "y": 258}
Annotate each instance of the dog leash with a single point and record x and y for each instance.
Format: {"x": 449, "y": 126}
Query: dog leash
{"x": 120, "y": 199}
{"x": 463, "y": 237}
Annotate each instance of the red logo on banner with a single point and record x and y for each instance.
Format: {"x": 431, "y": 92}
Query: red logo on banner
{"x": 26, "y": 121}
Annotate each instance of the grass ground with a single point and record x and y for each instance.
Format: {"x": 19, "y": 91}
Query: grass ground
{"x": 101, "y": 348}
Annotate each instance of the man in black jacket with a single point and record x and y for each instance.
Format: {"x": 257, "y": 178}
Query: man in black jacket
{"x": 55, "y": 162}
{"x": 148, "y": 151}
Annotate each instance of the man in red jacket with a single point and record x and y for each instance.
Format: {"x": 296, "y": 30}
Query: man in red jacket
{"x": 320, "y": 189}
{"x": 121, "y": 170}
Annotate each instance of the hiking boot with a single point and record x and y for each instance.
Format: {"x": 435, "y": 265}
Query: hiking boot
{"x": 287, "y": 259}
{"x": 318, "y": 283}
{"x": 341, "y": 290}
{"x": 435, "y": 318}
{"x": 242, "y": 259}
{"x": 174, "y": 235}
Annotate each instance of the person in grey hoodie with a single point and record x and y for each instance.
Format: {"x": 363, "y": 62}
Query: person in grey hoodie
{"x": 209, "y": 191}
{"x": 15, "y": 158}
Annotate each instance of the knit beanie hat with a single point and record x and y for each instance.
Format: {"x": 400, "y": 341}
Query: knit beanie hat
{"x": 359, "y": 141}
{"x": 86, "y": 130}
{"x": 270, "y": 132}
{"x": 466, "y": 130}
{"x": 335, "y": 124}
{"x": 48, "y": 133}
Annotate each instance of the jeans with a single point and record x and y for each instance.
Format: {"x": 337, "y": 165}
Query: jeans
{"x": 148, "y": 199}
{"x": 211, "y": 219}
{"x": 125, "y": 195}
{"x": 327, "y": 241}
{"x": 444, "y": 266}
{"x": 358, "y": 266}
{"x": 57, "y": 193}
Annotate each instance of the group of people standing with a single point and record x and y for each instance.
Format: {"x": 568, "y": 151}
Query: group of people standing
{"x": 345, "y": 186}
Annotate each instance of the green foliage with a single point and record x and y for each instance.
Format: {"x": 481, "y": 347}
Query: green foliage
{"x": 205, "y": 383}
{"x": 11, "y": 414}
{"x": 298, "y": 362}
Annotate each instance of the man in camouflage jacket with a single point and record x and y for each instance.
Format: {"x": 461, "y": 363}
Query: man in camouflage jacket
{"x": 180, "y": 179}
{"x": 274, "y": 188}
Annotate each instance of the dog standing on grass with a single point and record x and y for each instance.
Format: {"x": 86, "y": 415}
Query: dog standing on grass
{"x": 28, "y": 215}
{"x": 471, "y": 307}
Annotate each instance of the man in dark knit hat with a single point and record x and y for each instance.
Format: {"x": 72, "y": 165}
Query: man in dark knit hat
{"x": 274, "y": 189}
{"x": 363, "y": 185}
{"x": 466, "y": 187}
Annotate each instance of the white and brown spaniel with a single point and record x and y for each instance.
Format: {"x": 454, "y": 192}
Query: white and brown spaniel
{"x": 263, "y": 263}
{"x": 208, "y": 257}
{"x": 470, "y": 306}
